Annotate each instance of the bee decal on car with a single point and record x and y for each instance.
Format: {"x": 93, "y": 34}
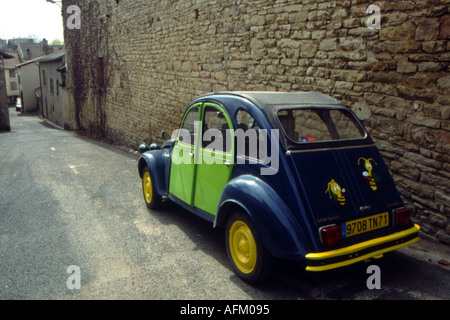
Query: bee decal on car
{"x": 368, "y": 174}
{"x": 335, "y": 192}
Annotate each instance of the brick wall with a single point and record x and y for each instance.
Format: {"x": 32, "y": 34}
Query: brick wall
{"x": 158, "y": 55}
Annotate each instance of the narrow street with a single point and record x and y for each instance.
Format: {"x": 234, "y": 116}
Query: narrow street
{"x": 66, "y": 200}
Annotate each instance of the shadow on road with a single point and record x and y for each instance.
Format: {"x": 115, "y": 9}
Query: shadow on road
{"x": 402, "y": 277}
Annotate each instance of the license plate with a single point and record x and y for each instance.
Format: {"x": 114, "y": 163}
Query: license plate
{"x": 358, "y": 226}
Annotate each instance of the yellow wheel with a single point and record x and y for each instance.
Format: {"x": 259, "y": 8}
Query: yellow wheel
{"x": 242, "y": 247}
{"x": 249, "y": 258}
{"x": 147, "y": 187}
{"x": 152, "y": 199}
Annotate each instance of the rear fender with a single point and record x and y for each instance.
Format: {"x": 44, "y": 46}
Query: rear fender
{"x": 156, "y": 161}
{"x": 276, "y": 225}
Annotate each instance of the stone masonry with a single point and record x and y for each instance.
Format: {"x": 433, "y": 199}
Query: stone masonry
{"x": 133, "y": 66}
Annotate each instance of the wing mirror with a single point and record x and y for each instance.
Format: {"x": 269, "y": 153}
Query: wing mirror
{"x": 165, "y": 135}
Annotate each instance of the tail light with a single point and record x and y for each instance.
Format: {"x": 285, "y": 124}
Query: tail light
{"x": 402, "y": 216}
{"x": 330, "y": 235}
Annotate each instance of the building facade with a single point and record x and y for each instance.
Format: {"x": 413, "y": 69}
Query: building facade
{"x": 52, "y": 81}
{"x": 12, "y": 79}
{"x": 28, "y": 80}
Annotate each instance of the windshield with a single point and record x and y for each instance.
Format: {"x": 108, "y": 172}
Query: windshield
{"x": 305, "y": 125}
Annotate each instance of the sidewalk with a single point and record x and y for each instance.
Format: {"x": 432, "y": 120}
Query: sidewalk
{"x": 430, "y": 251}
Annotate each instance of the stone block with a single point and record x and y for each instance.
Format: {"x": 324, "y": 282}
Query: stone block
{"x": 298, "y": 17}
{"x": 404, "y": 31}
{"x": 406, "y": 67}
{"x": 427, "y": 29}
{"x": 444, "y": 29}
{"x": 328, "y": 45}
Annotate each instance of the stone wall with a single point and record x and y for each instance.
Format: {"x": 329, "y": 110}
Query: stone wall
{"x": 4, "y": 103}
{"x": 134, "y": 65}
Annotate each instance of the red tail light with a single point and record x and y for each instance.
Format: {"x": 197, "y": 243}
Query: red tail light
{"x": 330, "y": 235}
{"x": 402, "y": 216}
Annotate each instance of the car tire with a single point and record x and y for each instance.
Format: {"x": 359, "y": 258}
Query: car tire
{"x": 250, "y": 260}
{"x": 151, "y": 197}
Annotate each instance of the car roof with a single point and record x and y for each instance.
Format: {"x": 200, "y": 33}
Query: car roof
{"x": 281, "y": 100}
{"x": 271, "y": 102}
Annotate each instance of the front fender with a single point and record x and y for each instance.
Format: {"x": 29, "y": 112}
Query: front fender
{"x": 157, "y": 162}
{"x": 276, "y": 225}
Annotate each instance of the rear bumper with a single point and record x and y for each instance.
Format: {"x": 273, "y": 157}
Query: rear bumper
{"x": 374, "y": 248}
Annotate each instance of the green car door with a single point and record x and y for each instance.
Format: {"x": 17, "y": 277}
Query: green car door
{"x": 202, "y": 158}
{"x": 182, "y": 167}
{"x": 215, "y": 158}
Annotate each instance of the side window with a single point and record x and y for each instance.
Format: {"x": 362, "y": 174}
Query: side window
{"x": 249, "y": 136}
{"x": 216, "y": 133}
{"x": 187, "y": 131}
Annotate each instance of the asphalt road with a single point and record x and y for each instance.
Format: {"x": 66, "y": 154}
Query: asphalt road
{"x": 66, "y": 200}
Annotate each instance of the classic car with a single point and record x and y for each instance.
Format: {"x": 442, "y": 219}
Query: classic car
{"x": 288, "y": 175}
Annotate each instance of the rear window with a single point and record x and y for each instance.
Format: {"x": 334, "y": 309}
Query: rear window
{"x": 305, "y": 125}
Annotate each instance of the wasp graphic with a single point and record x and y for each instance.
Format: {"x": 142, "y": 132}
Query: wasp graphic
{"x": 335, "y": 192}
{"x": 368, "y": 174}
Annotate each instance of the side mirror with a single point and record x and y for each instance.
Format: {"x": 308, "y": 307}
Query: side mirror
{"x": 165, "y": 135}
{"x": 143, "y": 148}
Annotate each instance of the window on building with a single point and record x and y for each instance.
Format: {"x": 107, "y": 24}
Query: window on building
{"x": 63, "y": 79}
{"x": 100, "y": 72}
{"x": 13, "y": 85}
{"x": 52, "y": 90}
{"x": 12, "y": 73}
{"x": 44, "y": 78}
{"x": 57, "y": 87}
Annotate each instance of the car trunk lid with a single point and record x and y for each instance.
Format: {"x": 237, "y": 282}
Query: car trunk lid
{"x": 342, "y": 185}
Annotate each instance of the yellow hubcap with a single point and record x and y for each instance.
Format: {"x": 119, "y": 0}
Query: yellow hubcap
{"x": 147, "y": 187}
{"x": 242, "y": 246}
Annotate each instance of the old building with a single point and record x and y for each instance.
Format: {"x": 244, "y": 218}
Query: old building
{"x": 52, "y": 79}
{"x": 28, "y": 79}
{"x": 11, "y": 77}
{"x": 31, "y": 50}
{"x": 132, "y": 66}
